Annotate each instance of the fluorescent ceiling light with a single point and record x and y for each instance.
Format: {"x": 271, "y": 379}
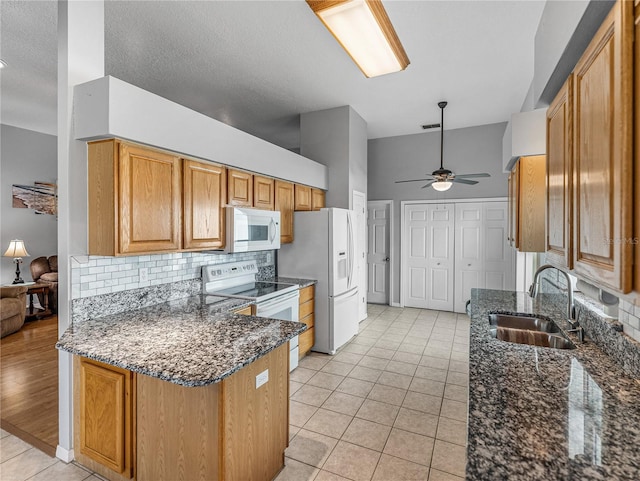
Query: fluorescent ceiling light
{"x": 364, "y": 30}
{"x": 442, "y": 185}
{"x": 3, "y": 64}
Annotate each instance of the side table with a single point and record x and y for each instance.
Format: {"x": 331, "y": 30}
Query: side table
{"x": 38, "y": 289}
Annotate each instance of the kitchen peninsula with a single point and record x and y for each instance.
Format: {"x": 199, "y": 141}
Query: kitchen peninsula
{"x": 182, "y": 390}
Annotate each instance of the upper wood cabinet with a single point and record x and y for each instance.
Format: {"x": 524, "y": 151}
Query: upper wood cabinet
{"x": 106, "y": 410}
{"x": 602, "y": 154}
{"x": 284, "y": 200}
{"x": 263, "y": 192}
{"x": 302, "y": 197}
{"x": 239, "y": 188}
{"x": 317, "y": 199}
{"x": 527, "y": 204}
{"x": 636, "y": 63}
{"x": 134, "y": 199}
{"x": 560, "y": 179}
{"x": 204, "y": 194}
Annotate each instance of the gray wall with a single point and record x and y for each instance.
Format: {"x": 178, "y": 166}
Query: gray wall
{"x": 470, "y": 150}
{"x": 337, "y": 138}
{"x": 26, "y": 156}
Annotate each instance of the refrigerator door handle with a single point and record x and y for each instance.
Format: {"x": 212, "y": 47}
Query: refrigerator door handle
{"x": 350, "y": 249}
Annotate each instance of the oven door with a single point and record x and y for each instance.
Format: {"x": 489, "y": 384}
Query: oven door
{"x": 252, "y": 229}
{"x": 285, "y": 308}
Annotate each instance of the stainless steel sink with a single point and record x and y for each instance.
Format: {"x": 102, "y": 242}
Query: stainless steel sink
{"x": 529, "y": 323}
{"x": 532, "y": 330}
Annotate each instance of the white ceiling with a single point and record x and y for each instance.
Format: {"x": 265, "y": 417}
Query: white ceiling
{"x": 257, "y": 65}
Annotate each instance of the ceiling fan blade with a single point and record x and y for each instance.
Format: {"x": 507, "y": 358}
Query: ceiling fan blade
{"x": 464, "y": 181}
{"x": 414, "y": 180}
{"x": 428, "y": 184}
{"x": 468, "y": 176}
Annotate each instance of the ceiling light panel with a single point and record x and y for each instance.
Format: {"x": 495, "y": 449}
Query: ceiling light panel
{"x": 364, "y": 30}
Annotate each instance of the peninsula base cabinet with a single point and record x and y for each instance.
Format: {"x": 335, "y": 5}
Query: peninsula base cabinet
{"x": 234, "y": 430}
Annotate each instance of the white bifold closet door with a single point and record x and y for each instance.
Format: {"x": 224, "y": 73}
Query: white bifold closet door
{"x": 482, "y": 256}
{"x": 429, "y": 256}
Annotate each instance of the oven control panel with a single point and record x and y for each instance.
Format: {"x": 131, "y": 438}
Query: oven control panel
{"x": 227, "y": 271}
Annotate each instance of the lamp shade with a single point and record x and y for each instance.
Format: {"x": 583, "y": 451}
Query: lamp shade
{"x": 16, "y": 249}
{"x": 442, "y": 185}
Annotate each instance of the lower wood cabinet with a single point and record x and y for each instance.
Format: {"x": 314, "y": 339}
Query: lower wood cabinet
{"x": 247, "y": 311}
{"x": 136, "y": 426}
{"x": 306, "y": 340}
{"x": 105, "y": 419}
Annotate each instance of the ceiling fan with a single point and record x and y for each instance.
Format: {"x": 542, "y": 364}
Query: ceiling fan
{"x": 442, "y": 179}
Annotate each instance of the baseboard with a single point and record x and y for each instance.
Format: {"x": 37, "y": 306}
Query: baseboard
{"x": 395, "y": 304}
{"x": 65, "y": 455}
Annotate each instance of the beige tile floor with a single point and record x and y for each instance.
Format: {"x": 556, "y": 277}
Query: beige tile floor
{"x": 389, "y": 406}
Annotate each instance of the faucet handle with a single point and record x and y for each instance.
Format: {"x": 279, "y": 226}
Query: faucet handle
{"x": 532, "y": 290}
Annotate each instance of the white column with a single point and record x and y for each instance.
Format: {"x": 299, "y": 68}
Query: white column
{"x": 80, "y": 59}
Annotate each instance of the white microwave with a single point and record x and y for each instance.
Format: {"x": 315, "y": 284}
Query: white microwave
{"x": 252, "y": 229}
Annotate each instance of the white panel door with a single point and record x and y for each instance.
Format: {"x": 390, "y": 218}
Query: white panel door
{"x": 469, "y": 252}
{"x": 378, "y": 252}
{"x": 429, "y": 259}
{"x": 499, "y": 271}
{"x": 416, "y": 255}
{"x": 441, "y": 258}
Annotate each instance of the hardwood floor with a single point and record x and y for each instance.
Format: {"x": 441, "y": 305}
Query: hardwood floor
{"x": 29, "y": 384}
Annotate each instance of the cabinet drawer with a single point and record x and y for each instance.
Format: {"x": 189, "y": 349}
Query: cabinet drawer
{"x": 306, "y": 308}
{"x": 306, "y": 341}
{"x": 308, "y": 320}
{"x": 306, "y": 293}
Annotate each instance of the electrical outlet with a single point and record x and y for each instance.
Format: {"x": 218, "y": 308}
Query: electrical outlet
{"x": 143, "y": 273}
{"x": 269, "y": 258}
{"x": 262, "y": 378}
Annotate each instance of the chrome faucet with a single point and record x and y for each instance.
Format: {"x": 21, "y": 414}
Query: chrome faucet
{"x": 571, "y": 310}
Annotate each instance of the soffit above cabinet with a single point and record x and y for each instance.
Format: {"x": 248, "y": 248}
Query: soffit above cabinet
{"x": 108, "y": 107}
{"x": 526, "y": 134}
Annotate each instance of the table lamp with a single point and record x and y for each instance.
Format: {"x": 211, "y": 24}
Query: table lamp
{"x": 17, "y": 250}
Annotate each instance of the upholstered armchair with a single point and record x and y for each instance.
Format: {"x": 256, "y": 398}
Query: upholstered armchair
{"x": 13, "y": 308}
{"x": 45, "y": 271}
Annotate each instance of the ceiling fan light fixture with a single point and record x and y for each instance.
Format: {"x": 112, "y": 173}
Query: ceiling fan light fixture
{"x": 442, "y": 185}
{"x": 364, "y": 30}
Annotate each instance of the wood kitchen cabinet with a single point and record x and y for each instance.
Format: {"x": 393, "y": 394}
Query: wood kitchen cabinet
{"x": 263, "y": 192}
{"x": 204, "y": 196}
{"x": 636, "y": 65}
{"x": 317, "y": 199}
{"x": 527, "y": 191}
{"x": 306, "y": 340}
{"x": 302, "y": 197}
{"x": 284, "y": 201}
{"x": 602, "y": 154}
{"x": 239, "y": 188}
{"x": 105, "y": 418}
{"x": 560, "y": 179}
{"x": 247, "y": 311}
{"x": 134, "y": 199}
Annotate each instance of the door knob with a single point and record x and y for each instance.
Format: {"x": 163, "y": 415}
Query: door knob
{"x": 468, "y": 265}
{"x": 386, "y": 259}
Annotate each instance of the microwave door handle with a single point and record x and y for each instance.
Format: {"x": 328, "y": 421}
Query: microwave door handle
{"x": 272, "y": 230}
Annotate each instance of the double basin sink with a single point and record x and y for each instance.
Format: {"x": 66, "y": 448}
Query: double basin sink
{"x": 528, "y": 329}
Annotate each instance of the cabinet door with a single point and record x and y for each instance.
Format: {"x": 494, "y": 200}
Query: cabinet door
{"x": 106, "y": 415}
{"x": 531, "y": 192}
{"x": 636, "y": 239}
{"x": 150, "y": 198}
{"x": 240, "y": 188}
{"x": 317, "y": 199}
{"x": 602, "y": 154}
{"x": 204, "y": 187}
{"x": 302, "y": 197}
{"x": 559, "y": 179}
{"x": 284, "y": 204}
{"x": 514, "y": 182}
{"x": 263, "y": 192}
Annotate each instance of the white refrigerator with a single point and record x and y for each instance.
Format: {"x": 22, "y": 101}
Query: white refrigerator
{"x": 323, "y": 248}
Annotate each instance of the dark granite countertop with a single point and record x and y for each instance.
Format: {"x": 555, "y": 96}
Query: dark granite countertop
{"x": 294, "y": 280}
{"x": 537, "y": 413}
{"x": 192, "y": 341}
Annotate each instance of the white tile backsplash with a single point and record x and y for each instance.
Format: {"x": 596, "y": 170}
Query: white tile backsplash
{"x": 629, "y": 315}
{"x": 104, "y": 275}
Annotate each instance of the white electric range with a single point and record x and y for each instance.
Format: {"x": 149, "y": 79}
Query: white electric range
{"x": 276, "y": 300}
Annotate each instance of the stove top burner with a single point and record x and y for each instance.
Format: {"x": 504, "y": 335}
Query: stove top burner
{"x": 255, "y": 290}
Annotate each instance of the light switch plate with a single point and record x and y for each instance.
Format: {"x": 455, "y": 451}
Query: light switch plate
{"x": 262, "y": 378}
{"x": 144, "y": 274}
